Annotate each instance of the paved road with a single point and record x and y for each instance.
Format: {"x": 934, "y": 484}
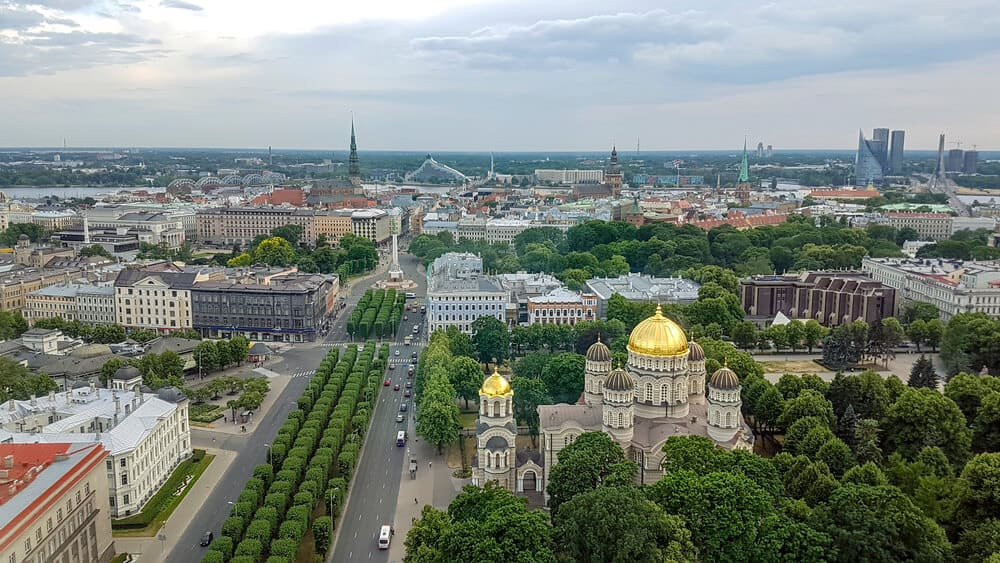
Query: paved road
{"x": 250, "y": 452}
{"x": 375, "y": 490}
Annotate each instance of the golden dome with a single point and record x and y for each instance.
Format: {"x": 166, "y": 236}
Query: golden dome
{"x": 658, "y": 336}
{"x": 496, "y": 385}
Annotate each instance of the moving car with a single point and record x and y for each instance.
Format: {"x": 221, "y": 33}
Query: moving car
{"x": 399, "y": 418}
{"x": 207, "y": 539}
{"x": 384, "y": 537}
{"x": 409, "y": 384}
{"x": 405, "y": 393}
{"x": 387, "y": 382}
{"x": 395, "y": 387}
{"x": 397, "y": 352}
{"x": 402, "y": 407}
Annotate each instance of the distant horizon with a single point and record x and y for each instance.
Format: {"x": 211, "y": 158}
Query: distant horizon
{"x": 623, "y": 153}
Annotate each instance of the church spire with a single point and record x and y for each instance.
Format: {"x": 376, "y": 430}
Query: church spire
{"x": 744, "y": 169}
{"x": 353, "y": 167}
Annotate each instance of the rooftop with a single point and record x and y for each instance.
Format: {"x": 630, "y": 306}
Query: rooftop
{"x": 641, "y": 287}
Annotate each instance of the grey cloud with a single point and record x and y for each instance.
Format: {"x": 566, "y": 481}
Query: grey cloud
{"x": 180, "y": 5}
{"x": 64, "y": 5}
{"x": 49, "y": 52}
{"x": 17, "y": 18}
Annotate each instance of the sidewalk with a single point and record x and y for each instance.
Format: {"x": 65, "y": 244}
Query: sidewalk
{"x": 277, "y": 386}
{"x": 434, "y": 485}
{"x": 152, "y": 549}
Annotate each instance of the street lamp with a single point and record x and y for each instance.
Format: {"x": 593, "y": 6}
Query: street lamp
{"x": 337, "y": 489}
{"x": 268, "y": 446}
{"x": 236, "y": 508}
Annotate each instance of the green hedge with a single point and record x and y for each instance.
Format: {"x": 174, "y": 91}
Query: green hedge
{"x": 164, "y": 496}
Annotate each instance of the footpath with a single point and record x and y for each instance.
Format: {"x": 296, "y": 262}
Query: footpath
{"x": 154, "y": 549}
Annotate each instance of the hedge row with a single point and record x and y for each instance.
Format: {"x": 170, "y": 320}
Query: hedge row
{"x": 315, "y": 453}
{"x": 378, "y": 313}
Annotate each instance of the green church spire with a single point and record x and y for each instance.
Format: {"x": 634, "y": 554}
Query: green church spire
{"x": 744, "y": 169}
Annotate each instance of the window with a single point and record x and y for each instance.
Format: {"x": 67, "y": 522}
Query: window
{"x": 122, "y": 462}
{"x": 59, "y": 515}
{"x": 38, "y": 535}
{"x": 48, "y": 521}
{"x": 110, "y": 465}
{"x": 125, "y": 481}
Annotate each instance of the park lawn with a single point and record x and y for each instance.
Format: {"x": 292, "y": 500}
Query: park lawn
{"x": 467, "y": 420}
{"x": 161, "y": 502}
{"x": 792, "y": 366}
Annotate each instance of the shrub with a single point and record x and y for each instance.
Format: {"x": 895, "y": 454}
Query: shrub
{"x": 278, "y": 559}
{"x": 279, "y": 501}
{"x": 269, "y": 515}
{"x": 243, "y": 559}
{"x": 291, "y": 530}
{"x": 299, "y": 513}
{"x": 281, "y": 487}
{"x": 213, "y": 557}
{"x": 224, "y": 545}
{"x": 233, "y": 527}
{"x": 250, "y": 497}
{"x": 321, "y": 534}
{"x": 285, "y": 548}
{"x": 250, "y": 548}
{"x": 259, "y": 530}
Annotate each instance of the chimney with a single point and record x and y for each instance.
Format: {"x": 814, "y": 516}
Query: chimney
{"x": 118, "y": 406}
{"x": 135, "y": 401}
{"x": 69, "y": 395}
{"x": 33, "y": 401}
{"x": 52, "y": 396}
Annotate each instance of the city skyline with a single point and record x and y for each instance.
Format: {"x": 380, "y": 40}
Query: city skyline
{"x": 501, "y": 75}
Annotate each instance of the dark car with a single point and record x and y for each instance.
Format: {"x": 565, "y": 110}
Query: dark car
{"x": 402, "y": 407}
{"x": 406, "y": 393}
{"x": 395, "y": 387}
{"x": 409, "y": 384}
{"x": 207, "y": 539}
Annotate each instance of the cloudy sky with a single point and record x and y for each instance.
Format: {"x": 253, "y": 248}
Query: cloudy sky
{"x": 496, "y": 74}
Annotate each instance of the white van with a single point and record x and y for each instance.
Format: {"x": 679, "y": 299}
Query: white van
{"x": 384, "y": 537}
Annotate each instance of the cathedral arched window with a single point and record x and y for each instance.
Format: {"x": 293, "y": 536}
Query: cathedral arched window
{"x": 484, "y": 407}
{"x": 715, "y": 418}
{"x": 621, "y": 420}
{"x": 649, "y": 392}
{"x": 679, "y": 392}
{"x": 496, "y": 460}
{"x": 729, "y": 420}
{"x": 665, "y": 393}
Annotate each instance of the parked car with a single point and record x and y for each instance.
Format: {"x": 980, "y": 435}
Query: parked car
{"x": 397, "y": 352}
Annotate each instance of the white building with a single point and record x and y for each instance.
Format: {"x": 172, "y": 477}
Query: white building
{"x": 642, "y": 287}
{"x": 91, "y": 304}
{"x": 458, "y": 293}
{"x": 570, "y": 176}
{"x": 146, "y": 434}
{"x": 562, "y": 306}
{"x": 953, "y": 286}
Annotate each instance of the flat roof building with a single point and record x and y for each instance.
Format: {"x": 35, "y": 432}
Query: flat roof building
{"x": 641, "y": 287}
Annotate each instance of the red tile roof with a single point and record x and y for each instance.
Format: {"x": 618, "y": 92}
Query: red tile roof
{"x": 27, "y": 457}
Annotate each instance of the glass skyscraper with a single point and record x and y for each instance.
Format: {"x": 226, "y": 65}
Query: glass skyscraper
{"x": 867, "y": 164}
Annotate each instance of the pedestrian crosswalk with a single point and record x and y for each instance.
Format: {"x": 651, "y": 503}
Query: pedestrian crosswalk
{"x": 272, "y": 374}
{"x": 309, "y": 373}
{"x": 401, "y": 361}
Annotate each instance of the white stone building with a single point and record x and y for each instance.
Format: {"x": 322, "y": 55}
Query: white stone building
{"x": 458, "y": 293}
{"x": 146, "y": 434}
{"x": 953, "y": 286}
{"x": 91, "y": 304}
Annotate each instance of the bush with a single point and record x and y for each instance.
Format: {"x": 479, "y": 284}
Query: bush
{"x": 249, "y": 496}
{"x": 243, "y": 559}
{"x": 291, "y": 530}
{"x": 269, "y": 515}
{"x": 213, "y": 557}
{"x": 304, "y": 499}
{"x": 279, "y": 559}
{"x": 299, "y": 514}
{"x": 259, "y": 530}
{"x": 321, "y": 534}
{"x": 285, "y": 548}
{"x": 224, "y": 545}
{"x": 205, "y": 413}
{"x": 250, "y": 548}
{"x": 233, "y": 527}
{"x": 279, "y": 501}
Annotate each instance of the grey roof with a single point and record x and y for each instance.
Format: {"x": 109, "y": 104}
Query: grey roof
{"x": 175, "y": 280}
{"x": 171, "y": 395}
{"x": 585, "y": 416}
{"x": 127, "y": 372}
{"x": 523, "y": 456}
{"x": 496, "y": 443}
{"x": 639, "y": 287}
{"x": 176, "y": 345}
{"x": 259, "y": 349}
{"x": 483, "y": 427}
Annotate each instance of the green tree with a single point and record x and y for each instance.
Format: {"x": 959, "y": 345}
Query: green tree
{"x": 466, "y": 376}
{"x": 439, "y": 422}
{"x": 291, "y": 233}
{"x": 986, "y": 425}
{"x": 490, "y": 339}
{"x": 206, "y": 356}
{"x": 982, "y": 476}
{"x": 980, "y": 541}
{"x": 528, "y": 394}
{"x": 723, "y": 511}
{"x": 795, "y": 333}
{"x": 592, "y": 460}
{"x": 531, "y": 365}
{"x": 109, "y": 368}
{"x": 844, "y": 345}
{"x": 620, "y": 524}
{"x": 837, "y": 456}
{"x": 691, "y": 453}
{"x": 917, "y": 332}
{"x": 923, "y": 374}
{"x": 812, "y": 334}
{"x": 563, "y": 377}
{"x": 745, "y": 335}
{"x": 274, "y": 251}
{"x": 879, "y": 524}
{"x": 768, "y": 409}
{"x": 16, "y": 382}
{"x": 459, "y": 343}
{"x": 919, "y": 311}
{"x": 808, "y": 403}
{"x": 924, "y": 417}
{"x": 12, "y": 325}
{"x": 867, "y": 441}
{"x": 96, "y": 250}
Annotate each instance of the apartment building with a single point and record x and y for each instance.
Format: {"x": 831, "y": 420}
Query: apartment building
{"x": 931, "y": 226}
{"x": 570, "y": 176}
{"x": 16, "y": 285}
{"x": 641, "y": 287}
{"x": 227, "y": 226}
{"x": 54, "y": 503}
{"x": 521, "y": 287}
{"x": 151, "y": 227}
{"x": 332, "y": 225}
{"x": 562, "y": 306}
{"x": 458, "y": 293}
{"x": 155, "y": 300}
{"x": 146, "y": 435}
{"x": 830, "y": 298}
{"x": 285, "y": 307}
{"x": 953, "y": 286}
{"x": 91, "y": 304}
{"x": 372, "y": 224}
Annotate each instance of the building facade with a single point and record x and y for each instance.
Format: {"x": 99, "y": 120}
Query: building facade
{"x": 642, "y": 287}
{"x": 830, "y": 298}
{"x": 867, "y": 166}
{"x": 227, "y": 226}
{"x": 659, "y": 393}
{"x": 55, "y": 507}
{"x": 953, "y": 286}
{"x": 16, "y": 285}
{"x": 154, "y": 300}
{"x": 458, "y": 293}
{"x": 562, "y": 306}
{"x": 896, "y": 140}
{"x": 91, "y": 304}
{"x": 283, "y": 308}
{"x": 570, "y": 176}
{"x": 146, "y": 435}
{"x": 932, "y": 226}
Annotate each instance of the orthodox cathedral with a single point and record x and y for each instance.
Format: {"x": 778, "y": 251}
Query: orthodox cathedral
{"x": 659, "y": 393}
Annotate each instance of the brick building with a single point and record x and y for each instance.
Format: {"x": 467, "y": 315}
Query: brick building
{"x": 831, "y": 298}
